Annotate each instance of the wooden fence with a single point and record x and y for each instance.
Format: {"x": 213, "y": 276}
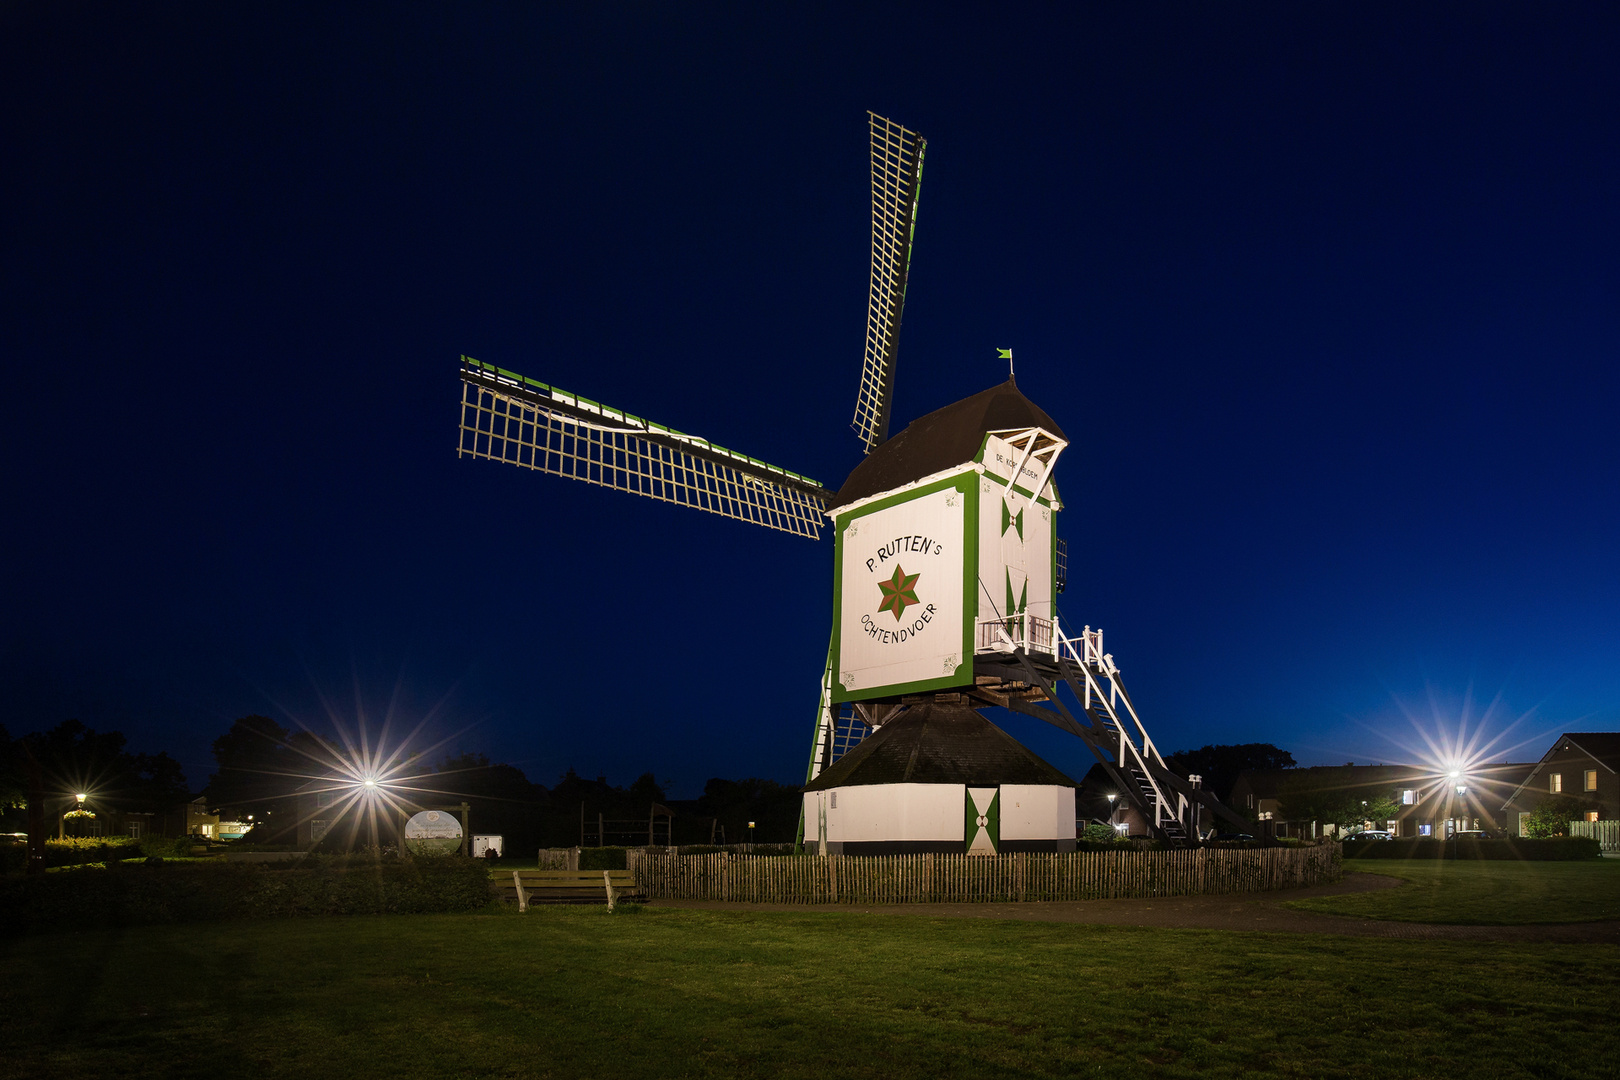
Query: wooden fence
{"x": 962, "y": 878}
{"x": 558, "y": 858}
{"x": 1607, "y": 833}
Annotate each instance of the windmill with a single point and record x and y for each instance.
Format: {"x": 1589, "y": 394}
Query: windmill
{"x": 946, "y": 572}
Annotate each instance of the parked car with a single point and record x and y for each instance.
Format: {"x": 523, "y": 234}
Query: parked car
{"x": 1468, "y": 834}
{"x": 1371, "y": 834}
{"x": 1230, "y": 837}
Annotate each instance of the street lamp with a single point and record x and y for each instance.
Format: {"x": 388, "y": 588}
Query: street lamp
{"x": 77, "y": 811}
{"x": 750, "y": 834}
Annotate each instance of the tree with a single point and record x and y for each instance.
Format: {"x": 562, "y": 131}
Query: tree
{"x": 1334, "y": 796}
{"x": 1220, "y": 764}
{"x": 13, "y": 778}
{"x": 774, "y": 808}
{"x": 1552, "y": 816}
{"x": 73, "y": 758}
{"x": 647, "y": 789}
{"x": 501, "y": 799}
{"x": 257, "y": 769}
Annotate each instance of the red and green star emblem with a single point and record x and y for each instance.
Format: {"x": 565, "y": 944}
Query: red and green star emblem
{"x": 899, "y": 592}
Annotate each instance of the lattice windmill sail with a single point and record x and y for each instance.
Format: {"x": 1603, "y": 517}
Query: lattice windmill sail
{"x": 897, "y": 163}
{"x": 947, "y": 568}
{"x": 508, "y": 417}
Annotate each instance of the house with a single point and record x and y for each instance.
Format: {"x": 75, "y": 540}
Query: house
{"x": 1581, "y": 765}
{"x": 1427, "y": 801}
{"x": 108, "y": 819}
{"x": 1099, "y": 801}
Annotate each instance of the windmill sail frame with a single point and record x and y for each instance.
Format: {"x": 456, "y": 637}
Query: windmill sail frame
{"x": 511, "y": 418}
{"x": 897, "y": 162}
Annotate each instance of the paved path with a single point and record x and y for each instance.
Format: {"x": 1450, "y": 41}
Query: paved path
{"x": 1262, "y": 912}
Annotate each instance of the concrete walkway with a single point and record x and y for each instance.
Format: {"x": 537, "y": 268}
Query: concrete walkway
{"x": 1262, "y": 912}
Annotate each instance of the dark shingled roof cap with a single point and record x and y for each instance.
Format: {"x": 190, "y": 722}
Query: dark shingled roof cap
{"x": 942, "y": 440}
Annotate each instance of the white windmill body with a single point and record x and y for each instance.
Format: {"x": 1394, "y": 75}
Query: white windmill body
{"x": 947, "y": 569}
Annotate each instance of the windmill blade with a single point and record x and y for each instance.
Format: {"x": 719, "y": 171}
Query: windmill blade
{"x": 897, "y": 161}
{"x": 507, "y": 417}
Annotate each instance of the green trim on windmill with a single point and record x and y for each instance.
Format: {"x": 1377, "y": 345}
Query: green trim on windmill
{"x": 964, "y": 482}
{"x": 970, "y": 576}
{"x": 992, "y": 821}
{"x": 1009, "y": 519}
{"x": 1019, "y": 604}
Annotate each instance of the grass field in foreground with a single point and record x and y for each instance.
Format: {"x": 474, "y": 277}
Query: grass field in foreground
{"x": 671, "y": 993}
{"x": 1482, "y": 893}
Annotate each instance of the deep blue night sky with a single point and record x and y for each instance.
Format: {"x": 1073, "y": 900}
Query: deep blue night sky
{"x": 1324, "y": 294}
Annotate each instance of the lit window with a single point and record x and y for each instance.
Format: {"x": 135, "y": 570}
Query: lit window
{"x": 1555, "y": 782}
{"x": 1408, "y": 797}
{"x": 1591, "y": 815}
{"x": 1425, "y": 830}
{"x": 1591, "y": 780}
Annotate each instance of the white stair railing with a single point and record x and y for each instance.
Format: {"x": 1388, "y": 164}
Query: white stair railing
{"x": 1086, "y": 653}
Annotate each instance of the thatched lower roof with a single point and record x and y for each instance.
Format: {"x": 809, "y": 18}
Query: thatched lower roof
{"x": 939, "y": 744}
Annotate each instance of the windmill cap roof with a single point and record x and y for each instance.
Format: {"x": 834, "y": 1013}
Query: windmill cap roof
{"x": 939, "y": 744}
{"x": 941, "y": 440}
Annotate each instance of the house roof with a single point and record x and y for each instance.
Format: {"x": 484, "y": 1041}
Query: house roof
{"x": 1602, "y": 747}
{"x": 942, "y": 440}
{"x": 939, "y": 744}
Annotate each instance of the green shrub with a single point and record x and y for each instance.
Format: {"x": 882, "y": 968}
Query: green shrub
{"x": 1556, "y": 849}
{"x": 135, "y": 894}
{"x": 602, "y": 858}
{"x": 74, "y": 851}
{"x": 167, "y": 847}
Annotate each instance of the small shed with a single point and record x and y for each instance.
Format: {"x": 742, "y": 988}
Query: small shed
{"x": 940, "y": 778}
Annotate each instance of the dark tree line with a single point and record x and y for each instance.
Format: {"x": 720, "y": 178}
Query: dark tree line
{"x": 262, "y": 766}
{"x": 1220, "y": 764}
{"x": 72, "y": 758}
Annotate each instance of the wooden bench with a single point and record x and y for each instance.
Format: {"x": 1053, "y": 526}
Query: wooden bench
{"x": 567, "y": 887}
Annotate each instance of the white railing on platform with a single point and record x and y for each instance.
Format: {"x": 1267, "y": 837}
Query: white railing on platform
{"x": 1029, "y": 632}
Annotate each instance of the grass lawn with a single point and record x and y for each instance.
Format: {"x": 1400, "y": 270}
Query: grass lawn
{"x": 565, "y": 992}
{"x": 1483, "y": 893}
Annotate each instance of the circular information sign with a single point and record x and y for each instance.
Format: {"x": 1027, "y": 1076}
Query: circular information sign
{"x": 433, "y": 832}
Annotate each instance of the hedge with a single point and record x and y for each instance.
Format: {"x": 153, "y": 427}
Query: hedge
{"x": 1557, "y": 849}
{"x": 602, "y": 858}
{"x": 126, "y": 894}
